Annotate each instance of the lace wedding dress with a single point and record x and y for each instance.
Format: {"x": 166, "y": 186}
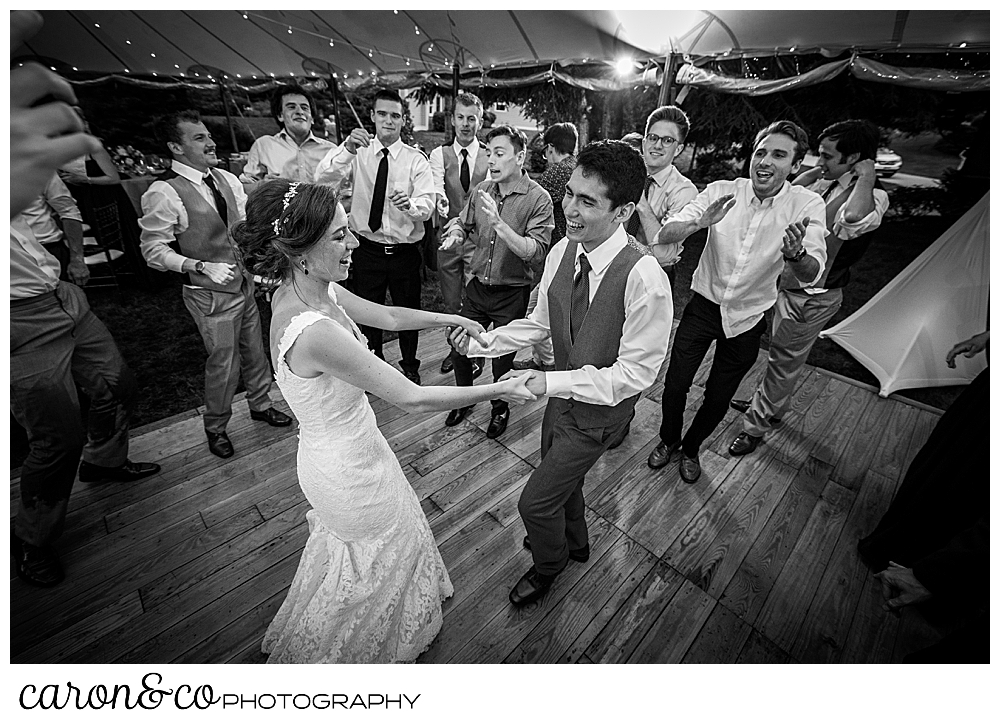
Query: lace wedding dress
{"x": 370, "y": 583}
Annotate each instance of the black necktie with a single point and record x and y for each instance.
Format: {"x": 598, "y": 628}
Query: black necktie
{"x": 633, "y": 225}
{"x": 580, "y": 301}
{"x": 830, "y": 189}
{"x": 378, "y": 196}
{"x": 464, "y": 174}
{"x": 220, "y": 201}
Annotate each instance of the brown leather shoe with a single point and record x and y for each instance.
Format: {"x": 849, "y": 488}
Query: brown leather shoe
{"x": 661, "y": 454}
{"x": 690, "y": 468}
{"x": 273, "y": 417}
{"x": 36, "y": 565}
{"x": 744, "y": 443}
{"x": 531, "y": 587}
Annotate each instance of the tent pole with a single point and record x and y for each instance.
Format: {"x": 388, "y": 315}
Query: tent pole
{"x": 667, "y": 84}
{"x": 336, "y": 114}
{"x": 229, "y": 119}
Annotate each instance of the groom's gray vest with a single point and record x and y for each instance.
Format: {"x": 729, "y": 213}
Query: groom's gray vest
{"x": 601, "y": 332}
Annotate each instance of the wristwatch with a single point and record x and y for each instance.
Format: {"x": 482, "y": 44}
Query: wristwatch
{"x": 798, "y": 256}
{"x": 199, "y": 267}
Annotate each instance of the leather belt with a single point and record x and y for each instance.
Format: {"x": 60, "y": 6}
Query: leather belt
{"x": 387, "y": 249}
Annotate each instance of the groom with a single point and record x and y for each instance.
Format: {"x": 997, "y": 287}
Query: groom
{"x": 606, "y": 304}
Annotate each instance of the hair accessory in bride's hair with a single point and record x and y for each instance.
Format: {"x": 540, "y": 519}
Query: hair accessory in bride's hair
{"x": 289, "y": 195}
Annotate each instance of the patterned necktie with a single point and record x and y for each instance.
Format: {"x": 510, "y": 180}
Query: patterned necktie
{"x": 464, "y": 173}
{"x": 633, "y": 225}
{"x": 580, "y": 301}
{"x": 378, "y": 196}
{"x": 220, "y": 201}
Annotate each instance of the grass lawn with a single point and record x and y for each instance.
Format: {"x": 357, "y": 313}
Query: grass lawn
{"x": 160, "y": 343}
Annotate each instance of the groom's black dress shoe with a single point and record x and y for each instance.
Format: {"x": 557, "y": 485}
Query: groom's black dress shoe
{"x": 456, "y": 416}
{"x": 498, "y": 423}
{"x": 531, "y": 587}
{"x": 37, "y": 565}
{"x": 581, "y": 555}
{"x": 219, "y": 444}
{"x": 273, "y": 417}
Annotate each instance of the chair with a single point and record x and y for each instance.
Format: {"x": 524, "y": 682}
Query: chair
{"x": 103, "y": 248}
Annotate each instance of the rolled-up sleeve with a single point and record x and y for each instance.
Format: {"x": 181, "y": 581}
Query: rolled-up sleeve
{"x": 846, "y": 230}
{"x": 422, "y": 199}
{"x": 814, "y": 241}
{"x": 59, "y": 198}
{"x": 539, "y": 226}
{"x": 437, "y": 173}
{"x": 163, "y": 217}
{"x": 335, "y": 166}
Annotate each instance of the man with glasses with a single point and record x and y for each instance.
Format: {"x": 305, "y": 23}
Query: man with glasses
{"x": 667, "y": 191}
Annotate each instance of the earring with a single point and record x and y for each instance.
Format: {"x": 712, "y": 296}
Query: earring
{"x": 303, "y": 265}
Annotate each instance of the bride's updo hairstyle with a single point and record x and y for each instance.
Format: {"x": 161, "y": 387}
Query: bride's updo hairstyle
{"x": 283, "y": 220}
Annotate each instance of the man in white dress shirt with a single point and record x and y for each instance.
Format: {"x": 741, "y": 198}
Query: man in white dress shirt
{"x": 457, "y": 169}
{"x": 393, "y": 196}
{"x": 855, "y": 205}
{"x": 606, "y": 304}
{"x": 293, "y": 152}
{"x": 193, "y": 209}
{"x": 758, "y": 227}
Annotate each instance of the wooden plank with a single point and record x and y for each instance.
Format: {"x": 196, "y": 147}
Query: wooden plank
{"x": 235, "y": 637}
{"x": 713, "y": 564}
{"x": 676, "y": 629}
{"x": 158, "y": 619}
{"x": 552, "y": 639}
{"x": 787, "y": 604}
{"x": 471, "y": 507}
{"x": 794, "y": 440}
{"x": 825, "y": 628}
{"x": 720, "y": 640}
{"x": 71, "y": 638}
{"x": 623, "y": 633}
{"x": 466, "y": 459}
{"x": 856, "y": 459}
{"x": 251, "y": 542}
{"x": 263, "y": 488}
{"x": 759, "y": 650}
{"x": 503, "y": 632}
{"x": 890, "y": 455}
{"x": 748, "y": 589}
{"x": 502, "y": 551}
{"x": 831, "y": 440}
{"x": 872, "y": 635}
{"x": 445, "y": 454}
{"x": 498, "y": 469}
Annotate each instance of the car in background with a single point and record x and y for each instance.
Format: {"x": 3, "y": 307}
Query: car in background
{"x": 887, "y": 162}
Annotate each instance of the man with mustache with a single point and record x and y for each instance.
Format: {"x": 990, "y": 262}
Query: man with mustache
{"x": 194, "y": 208}
{"x": 757, "y": 228}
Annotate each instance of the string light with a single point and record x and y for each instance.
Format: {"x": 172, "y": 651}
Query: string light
{"x": 416, "y": 30}
{"x": 331, "y": 42}
{"x": 97, "y": 25}
{"x": 245, "y": 16}
{"x": 128, "y": 42}
{"x": 75, "y": 68}
{"x": 152, "y": 55}
{"x": 289, "y": 29}
{"x": 369, "y": 53}
{"x": 177, "y": 66}
{"x": 407, "y": 61}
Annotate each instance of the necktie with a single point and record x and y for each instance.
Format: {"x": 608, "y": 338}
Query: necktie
{"x": 220, "y": 201}
{"x": 633, "y": 225}
{"x": 580, "y": 301}
{"x": 464, "y": 174}
{"x": 378, "y": 196}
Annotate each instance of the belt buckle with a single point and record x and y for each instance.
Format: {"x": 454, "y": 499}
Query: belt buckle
{"x": 390, "y": 249}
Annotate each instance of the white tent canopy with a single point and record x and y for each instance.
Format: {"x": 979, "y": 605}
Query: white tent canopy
{"x": 904, "y": 332}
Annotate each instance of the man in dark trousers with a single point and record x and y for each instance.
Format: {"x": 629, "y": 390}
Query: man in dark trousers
{"x": 393, "y": 197}
{"x": 193, "y": 209}
{"x": 607, "y": 306}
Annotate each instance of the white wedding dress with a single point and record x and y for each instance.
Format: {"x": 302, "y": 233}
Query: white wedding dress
{"x": 370, "y": 582}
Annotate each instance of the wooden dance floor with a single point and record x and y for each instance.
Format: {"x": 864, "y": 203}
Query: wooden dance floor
{"x": 756, "y": 562}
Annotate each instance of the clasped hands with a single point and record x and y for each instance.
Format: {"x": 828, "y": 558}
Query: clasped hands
{"x": 516, "y": 385}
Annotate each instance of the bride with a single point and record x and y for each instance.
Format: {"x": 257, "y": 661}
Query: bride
{"x": 370, "y": 582}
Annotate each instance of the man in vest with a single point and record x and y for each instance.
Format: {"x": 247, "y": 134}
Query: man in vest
{"x": 855, "y": 204}
{"x": 509, "y": 222}
{"x": 458, "y": 168}
{"x": 606, "y": 304}
{"x": 193, "y": 209}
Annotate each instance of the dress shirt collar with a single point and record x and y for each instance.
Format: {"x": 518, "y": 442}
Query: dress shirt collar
{"x": 286, "y": 136}
{"x": 472, "y": 148}
{"x": 751, "y": 199}
{"x": 602, "y": 256}
{"x": 520, "y": 187}
{"x": 661, "y": 177}
{"x": 845, "y": 180}
{"x": 394, "y": 149}
{"x": 189, "y": 172}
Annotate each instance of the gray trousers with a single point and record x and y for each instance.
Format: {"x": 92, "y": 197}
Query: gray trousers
{"x": 56, "y": 346}
{"x": 551, "y": 504}
{"x": 454, "y": 272}
{"x": 798, "y": 320}
{"x": 230, "y": 327}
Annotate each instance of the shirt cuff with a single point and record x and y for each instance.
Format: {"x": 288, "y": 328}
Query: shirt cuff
{"x": 559, "y": 384}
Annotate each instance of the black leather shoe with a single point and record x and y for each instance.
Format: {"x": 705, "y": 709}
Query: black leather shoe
{"x": 744, "y": 405}
{"x": 90, "y": 473}
{"x": 456, "y": 416}
{"x": 498, "y": 423}
{"x": 690, "y": 468}
{"x": 36, "y": 565}
{"x": 273, "y": 417}
{"x": 531, "y": 587}
{"x": 412, "y": 375}
{"x": 744, "y": 443}
{"x": 218, "y": 443}
{"x": 447, "y": 365}
{"x": 581, "y": 555}
{"x": 661, "y": 454}
{"x": 478, "y": 363}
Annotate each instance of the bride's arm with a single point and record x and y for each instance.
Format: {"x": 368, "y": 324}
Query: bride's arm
{"x": 371, "y": 314}
{"x": 327, "y": 348}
